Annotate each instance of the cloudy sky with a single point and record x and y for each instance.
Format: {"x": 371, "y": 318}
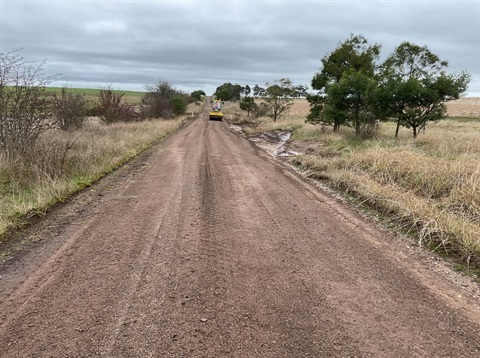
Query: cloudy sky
{"x": 202, "y": 44}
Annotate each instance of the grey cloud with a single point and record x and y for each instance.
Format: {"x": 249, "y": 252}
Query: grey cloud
{"x": 200, "y": 44}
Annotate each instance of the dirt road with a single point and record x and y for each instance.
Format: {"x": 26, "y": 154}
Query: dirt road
{"x": 209, "y": 248}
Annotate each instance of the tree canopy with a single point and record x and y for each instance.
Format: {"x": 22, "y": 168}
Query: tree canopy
{"x": 414, "y": 87}
{"x": 228, "y": 92}
{"x": 343, "y": 84}
{"x": 258, "y": 91}
{"x": 248, "y": 104}
{"x": 278, "y": 97}
{"x": 197, "y": 95}
{"x": 411, "y": 86}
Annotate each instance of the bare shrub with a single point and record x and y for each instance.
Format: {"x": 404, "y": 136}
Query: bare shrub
{"x": 261, "y": 110}
{"x": 70, "y": 110}
{"x": 25, "y": 105}
{"x": 112, "y": 108}
{"x": 162, "y": 100}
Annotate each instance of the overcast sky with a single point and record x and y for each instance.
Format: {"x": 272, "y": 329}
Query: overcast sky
{"x": 202, "y": 44}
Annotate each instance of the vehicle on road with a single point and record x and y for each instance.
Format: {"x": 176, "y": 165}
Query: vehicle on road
{"x": 216, "y": 113}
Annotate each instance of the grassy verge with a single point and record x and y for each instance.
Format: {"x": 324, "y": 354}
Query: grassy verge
{"x": 65, "y": 162}
{"x": 429, "y": 186}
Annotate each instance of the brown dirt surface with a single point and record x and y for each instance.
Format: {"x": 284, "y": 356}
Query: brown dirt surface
{"x": 209, "y": 247}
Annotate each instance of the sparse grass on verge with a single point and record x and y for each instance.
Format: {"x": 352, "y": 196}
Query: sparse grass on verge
{"x": 67, "y": 161}
{"x": 429, "y": 186}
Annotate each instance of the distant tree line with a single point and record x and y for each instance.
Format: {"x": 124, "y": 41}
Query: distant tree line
{"x": 235, "y": 92}
{"x": 276, "y": 98}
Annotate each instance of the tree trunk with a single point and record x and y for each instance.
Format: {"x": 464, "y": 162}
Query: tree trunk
{"x": 398, "y": 128}
{"x": 357, "y": 120}
{"x": 414, "y": 132}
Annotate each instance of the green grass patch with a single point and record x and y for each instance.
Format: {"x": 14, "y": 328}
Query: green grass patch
{"x": 132, "y": 97}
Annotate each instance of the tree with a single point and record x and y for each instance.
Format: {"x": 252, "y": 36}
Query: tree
{"x": 248, "y": 90}
{"x": 179, "y": 105}
{"x": 354, "y": 57}
{"x": 414, "y": 87}
{"x": 300, "y": 91}
{"x": 222, "y": 93}
{"x": 278, "y": 98}
{"x": 25, "y": 105}
{"x": 350, "y": 102}
{"x": 197, "y": 95}
{"x": 248, "y": 104}
{"x": 258, "y": 91}
{"x": 228, "y": 92}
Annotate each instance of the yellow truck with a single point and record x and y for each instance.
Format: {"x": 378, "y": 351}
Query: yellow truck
{"x": 216, "y": 113}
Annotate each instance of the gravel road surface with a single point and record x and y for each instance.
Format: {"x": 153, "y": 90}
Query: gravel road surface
{"x": 207, "y": 247}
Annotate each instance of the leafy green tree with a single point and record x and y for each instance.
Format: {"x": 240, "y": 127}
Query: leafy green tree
{"x": 228, "y": 92}
{"x": 197, "y": 95}
{"x": 248, "y": 104}
{"x": 278, "y": 98}
{"x": 179, "y": 105}
{"x": 414, "y": 87}
{"x": 222, "y": 93}
{"x": 350, "y": 101}
{"x": 354, "y": 60}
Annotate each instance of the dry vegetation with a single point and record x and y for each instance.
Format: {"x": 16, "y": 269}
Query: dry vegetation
{"x": 430, "y": 186}
{"x": 67, "y": 161}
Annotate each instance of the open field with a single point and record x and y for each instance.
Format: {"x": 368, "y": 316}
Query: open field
{"x": 132, "y": 97}
{"x": 463, "y": 107}
{"x": 429, "y": 186}
{"x": 67, "y": 161}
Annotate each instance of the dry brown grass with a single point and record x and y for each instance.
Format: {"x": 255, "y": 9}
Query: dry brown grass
{"x": 464, "y": 107}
